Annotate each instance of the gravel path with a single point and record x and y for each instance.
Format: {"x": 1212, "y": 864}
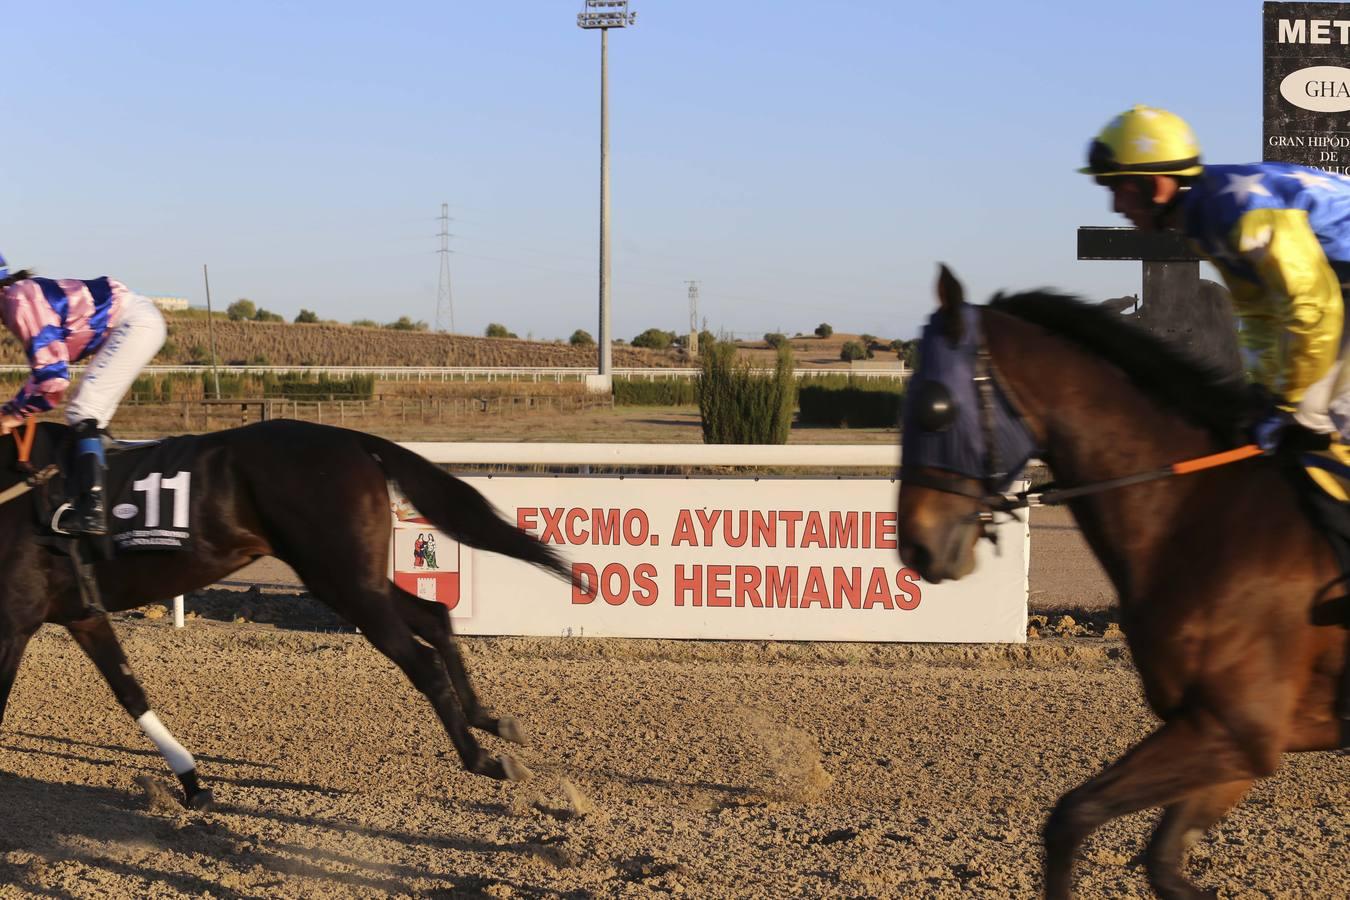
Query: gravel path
{"x": 704, "y": 769}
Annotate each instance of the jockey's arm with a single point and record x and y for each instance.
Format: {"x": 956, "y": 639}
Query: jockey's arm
{"x": 45, "y": 388}
{"x": 39, "y": 328}
{"x": 1296, "y": 312}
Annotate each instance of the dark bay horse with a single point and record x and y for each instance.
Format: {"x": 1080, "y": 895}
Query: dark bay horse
{"x": 1222, "y": 576}
{"x": 311, "y": 495}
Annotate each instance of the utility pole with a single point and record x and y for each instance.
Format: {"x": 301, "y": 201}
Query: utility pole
{"x": 693, "y": 317}
{"x": 444, "y": 303}
{"x": 211, "y": 330}
{"x": 604, "y": 15}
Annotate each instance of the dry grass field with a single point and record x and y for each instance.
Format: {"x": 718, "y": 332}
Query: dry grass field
{"x": 809, "y": 351}
{"x": 550, "y": 422}
{"x": 283, "y": 344}
{"x": 330, "y": 344}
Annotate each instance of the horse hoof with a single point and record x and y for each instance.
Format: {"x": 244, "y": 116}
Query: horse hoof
{"x": 508, "y": 729}
{"x": 202, "y": 801}
{"x": 514, "y": 769}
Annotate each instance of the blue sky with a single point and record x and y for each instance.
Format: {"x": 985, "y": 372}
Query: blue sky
{"x": 806, "y": 162}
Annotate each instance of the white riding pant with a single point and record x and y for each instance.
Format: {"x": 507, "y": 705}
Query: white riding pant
{"x": 109, "y": 374}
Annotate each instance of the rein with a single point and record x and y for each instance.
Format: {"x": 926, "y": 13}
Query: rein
{"x": 1055, "y": 496}
{"x": 33, "y": 479}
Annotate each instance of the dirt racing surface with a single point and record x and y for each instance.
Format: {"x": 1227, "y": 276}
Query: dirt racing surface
{"x": 701, "y": 769}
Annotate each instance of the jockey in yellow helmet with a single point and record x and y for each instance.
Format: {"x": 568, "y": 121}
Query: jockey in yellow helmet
{"x": 1279, "y": 235}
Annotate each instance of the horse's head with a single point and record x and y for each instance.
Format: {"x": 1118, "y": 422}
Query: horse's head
{"x": 961, "y": 442}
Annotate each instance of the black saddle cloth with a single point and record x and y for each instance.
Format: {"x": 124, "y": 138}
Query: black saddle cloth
{"x": 149, "y": 492}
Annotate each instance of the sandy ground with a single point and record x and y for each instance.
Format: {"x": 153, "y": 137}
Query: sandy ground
{"x": 661, "y": 767}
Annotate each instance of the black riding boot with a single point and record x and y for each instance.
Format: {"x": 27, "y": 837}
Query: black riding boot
{"x": 87, "y": 513}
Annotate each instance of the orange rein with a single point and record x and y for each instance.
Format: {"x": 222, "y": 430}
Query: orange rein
{"x": 1054, "y": 496}
{"x": 26, "y": 442}
{"x": 1188, "y": 466}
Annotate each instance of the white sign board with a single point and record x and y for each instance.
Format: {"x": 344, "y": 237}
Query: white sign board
{"x": 718, "y": 558}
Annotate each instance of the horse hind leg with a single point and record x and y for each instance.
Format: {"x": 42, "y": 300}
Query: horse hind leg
{"x": 377, "y": 615}
{"x": 1182, "y": 824}
{"x": 96, "y": 638}
{"x": 431, "y": 622}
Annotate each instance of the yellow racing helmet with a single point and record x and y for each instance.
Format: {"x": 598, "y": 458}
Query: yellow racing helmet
{"x": 1144, "y": 140}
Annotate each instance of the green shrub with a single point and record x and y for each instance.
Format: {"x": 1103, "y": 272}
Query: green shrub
{"x": 243, "y": 385}
{"x": 908, "y": 352}
{"x": 741, "y": 406}
{"x": 665, "y": 392}
{"x": 852, "y": 350}
{"x": 581, "y": 338}
{"x": 654, "y": 339}
{"x": 823, "y": 330}
{"x": 840, "y": 401}
{"x": 775, "y": 339}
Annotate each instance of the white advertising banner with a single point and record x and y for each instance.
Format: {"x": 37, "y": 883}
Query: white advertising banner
{"x": 713, "y": 558}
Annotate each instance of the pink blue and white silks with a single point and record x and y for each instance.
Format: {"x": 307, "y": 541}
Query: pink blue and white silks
{"x": 61, "y": 321}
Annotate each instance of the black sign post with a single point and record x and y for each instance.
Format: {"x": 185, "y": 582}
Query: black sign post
{"x": 1177, "y": 305}
{"x": 1307, "y": 85}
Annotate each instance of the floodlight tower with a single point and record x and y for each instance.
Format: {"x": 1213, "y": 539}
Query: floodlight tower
{"x": 604, "y": 15}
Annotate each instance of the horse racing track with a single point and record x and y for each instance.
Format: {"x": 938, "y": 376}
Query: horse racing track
{"x": 704, "y": 769}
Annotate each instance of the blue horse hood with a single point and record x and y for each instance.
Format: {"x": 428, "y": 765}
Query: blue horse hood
{"x": 960, "y": 447}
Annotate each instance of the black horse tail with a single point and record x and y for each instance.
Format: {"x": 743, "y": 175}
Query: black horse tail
{"x": 458, "y": 509}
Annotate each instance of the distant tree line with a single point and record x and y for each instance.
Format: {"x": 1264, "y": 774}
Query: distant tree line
{"x": 245, "y": 310}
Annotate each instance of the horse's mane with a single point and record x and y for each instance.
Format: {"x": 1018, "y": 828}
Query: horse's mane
{"x": 1205, "y": 395}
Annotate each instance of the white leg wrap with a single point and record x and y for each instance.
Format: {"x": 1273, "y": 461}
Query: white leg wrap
{"x": 173, "y": 752}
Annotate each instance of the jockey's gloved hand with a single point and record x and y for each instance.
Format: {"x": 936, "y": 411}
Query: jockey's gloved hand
{"x": 1268, "y": 431}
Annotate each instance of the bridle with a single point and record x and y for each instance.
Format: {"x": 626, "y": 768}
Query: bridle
{"x": 994, "y": 502}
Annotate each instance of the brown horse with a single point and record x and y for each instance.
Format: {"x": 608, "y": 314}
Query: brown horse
{"x": 1221, "y": 575}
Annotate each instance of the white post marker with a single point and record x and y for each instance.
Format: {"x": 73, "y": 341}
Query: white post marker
{"x": 178, "y": 611}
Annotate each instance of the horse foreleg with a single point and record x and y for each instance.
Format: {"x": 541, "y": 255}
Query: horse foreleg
{"x": 1182, "y": 825}
{"x": 431, "y": 622}
{"x": 11, "y": 654}
{"x": 96, "y": 638}
{"x": 1190, "y": 753}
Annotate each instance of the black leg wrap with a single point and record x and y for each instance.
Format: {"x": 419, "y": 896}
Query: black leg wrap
{"x": 194, "y": 795}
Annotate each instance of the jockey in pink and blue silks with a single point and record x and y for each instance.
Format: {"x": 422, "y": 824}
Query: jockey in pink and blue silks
{"x": 60, "y": 321}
